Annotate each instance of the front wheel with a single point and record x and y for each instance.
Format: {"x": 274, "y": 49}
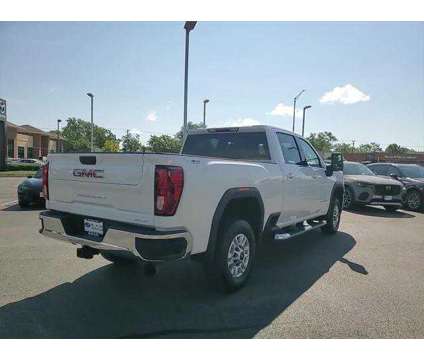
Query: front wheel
{"x": 234, "y": 255}
{"x": 413, "y": 200}
{"x": 333, "y": 217}
{"x": 23, "y": 203}
{"x": 347, "y": 198}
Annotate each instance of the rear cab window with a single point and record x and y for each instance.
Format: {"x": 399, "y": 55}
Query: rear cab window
{"x": 229, "y": 145}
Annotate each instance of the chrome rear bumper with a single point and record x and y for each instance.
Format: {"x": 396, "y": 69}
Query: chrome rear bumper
{"x": 121, "y": 237}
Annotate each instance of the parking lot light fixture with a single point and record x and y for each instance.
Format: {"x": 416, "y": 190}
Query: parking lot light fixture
{"x": 303, "y": 121}
{"x": 91, "y": 96}
{"x": 204, "y": 111}
{"x": 294, "y": 107}
{"x": 58, "y": 135}
{"x": 188, "y": 26}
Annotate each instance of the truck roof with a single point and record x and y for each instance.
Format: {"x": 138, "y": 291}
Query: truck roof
{"x": 251, "y": 128}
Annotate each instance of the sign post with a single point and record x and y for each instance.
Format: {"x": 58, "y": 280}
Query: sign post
{"x": 3, "y": 135}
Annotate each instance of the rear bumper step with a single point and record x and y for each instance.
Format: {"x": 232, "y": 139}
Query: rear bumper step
{"x": 146, "y": 243}
{"x": 290, "y": 232}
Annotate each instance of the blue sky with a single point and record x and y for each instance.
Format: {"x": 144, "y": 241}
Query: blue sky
{"x": 372, "y": 73}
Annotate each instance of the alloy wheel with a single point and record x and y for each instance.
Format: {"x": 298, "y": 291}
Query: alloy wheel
{"x": 238, "y": 255}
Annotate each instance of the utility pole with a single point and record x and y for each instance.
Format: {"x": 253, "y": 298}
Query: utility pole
{"x": 353, "y": 143}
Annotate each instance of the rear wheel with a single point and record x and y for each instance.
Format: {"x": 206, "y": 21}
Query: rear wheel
{"x": 234, "y": 255}
{"x": 119, "y": 258}
{"x": 413, "y": 200}
{"x": 333, "y": 217}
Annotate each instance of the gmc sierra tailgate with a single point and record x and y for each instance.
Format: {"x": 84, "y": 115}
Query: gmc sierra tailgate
{"x": 102, "y": 185}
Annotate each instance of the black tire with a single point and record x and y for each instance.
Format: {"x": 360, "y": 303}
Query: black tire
{"x": 414, "y": 200}
{"x": 23, "y": 204}
{"x": 332, "y": 220}
{"x": 232, "y": 276}
{"x": 348, "y": 198}
{"x": 391, "y": 208}
{"x": 119, "y": 258}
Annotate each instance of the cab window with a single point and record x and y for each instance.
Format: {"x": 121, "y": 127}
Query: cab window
{"x": 289, "y": 148}
{"x": 311, "y": 156}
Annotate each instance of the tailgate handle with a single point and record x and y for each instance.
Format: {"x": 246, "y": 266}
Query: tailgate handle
{"x": 88, "y": 160}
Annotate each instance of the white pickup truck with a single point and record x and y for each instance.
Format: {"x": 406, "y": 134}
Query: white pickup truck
{"x": 227, "y": 191}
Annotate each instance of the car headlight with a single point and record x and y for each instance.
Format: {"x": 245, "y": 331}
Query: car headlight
{"x": 362, "y": 184}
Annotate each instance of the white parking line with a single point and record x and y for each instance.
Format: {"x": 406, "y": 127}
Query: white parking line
{"x": 10, "y": 203}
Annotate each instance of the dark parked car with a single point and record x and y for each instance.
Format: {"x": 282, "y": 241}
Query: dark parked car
{"x": 363, "y": 187}
{"x": 30, "y": 190}
{"x": 410, "y": 175}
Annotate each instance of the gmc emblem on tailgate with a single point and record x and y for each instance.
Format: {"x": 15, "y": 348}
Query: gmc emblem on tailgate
{"x": 90, "y": 173}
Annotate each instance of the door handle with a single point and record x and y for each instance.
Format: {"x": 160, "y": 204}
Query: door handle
{"x": 315, "y": 176}
{"x": 290, "y": 176}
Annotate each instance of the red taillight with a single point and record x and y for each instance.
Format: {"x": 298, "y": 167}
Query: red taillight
{"x": 169, "y": 183}
{"x": 46, "y": 181}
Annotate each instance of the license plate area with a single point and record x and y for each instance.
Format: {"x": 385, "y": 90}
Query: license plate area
{"x": 93, "y": 227}
{"x": 388, "y": 197}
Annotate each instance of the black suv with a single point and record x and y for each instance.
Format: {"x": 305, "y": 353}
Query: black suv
{"x": 412, "y": 177}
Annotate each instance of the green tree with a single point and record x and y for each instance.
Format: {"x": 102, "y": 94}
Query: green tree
{"x": 343, "y": 148}
{"x": 396, "y": 149}
{"x": 131, "y": 143}
{"x": 371, "y": 147}
{"x": 77, "y": 135}
{"x": 190, "y": 126}
{"x": 111, "y": 145}
{"x": 164, "y": 143}
{"x": 322, "y": 141}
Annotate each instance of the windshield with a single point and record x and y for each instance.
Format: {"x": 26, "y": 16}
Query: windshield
{"x": 412, "y": 171}
{"x": 356, "y": 169}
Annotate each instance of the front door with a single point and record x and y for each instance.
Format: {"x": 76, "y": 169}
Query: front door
{"x": 295, "y": 184}
{"x": 321, "y": 185}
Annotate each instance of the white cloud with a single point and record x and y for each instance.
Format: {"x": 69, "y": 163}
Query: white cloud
{"x": 152, "y": 116}
{"x": 284, "y": 110}
{"x": 244, "y": 122}
{"x": 347, "y": 94}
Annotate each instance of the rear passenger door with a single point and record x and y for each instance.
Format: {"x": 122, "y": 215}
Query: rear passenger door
{"x": 295, "y": 185}
{"x": 320, "y": 184}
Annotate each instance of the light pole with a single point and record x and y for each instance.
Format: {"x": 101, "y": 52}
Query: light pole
{"x": 294, "y": 106}
{"x": 303, "y": 122}
{"x": 58, "y": 135}
{"x": 91, "y": 96}
{"x": 188, "y": 26}
{"x": 204, "y": 111}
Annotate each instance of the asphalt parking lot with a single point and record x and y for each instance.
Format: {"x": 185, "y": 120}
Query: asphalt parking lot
{"x": 364, "y": 282}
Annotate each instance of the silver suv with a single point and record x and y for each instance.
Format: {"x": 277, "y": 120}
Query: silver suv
{"x": 363, "y": 187}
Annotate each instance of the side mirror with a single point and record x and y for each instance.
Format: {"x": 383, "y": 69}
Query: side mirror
{"x": 337, "y": 162}
{"x": 329, "y": 170}
{"x": 394, "y": 176}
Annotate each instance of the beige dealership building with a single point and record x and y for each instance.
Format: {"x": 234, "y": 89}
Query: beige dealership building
{"x": 28, "y": 142}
